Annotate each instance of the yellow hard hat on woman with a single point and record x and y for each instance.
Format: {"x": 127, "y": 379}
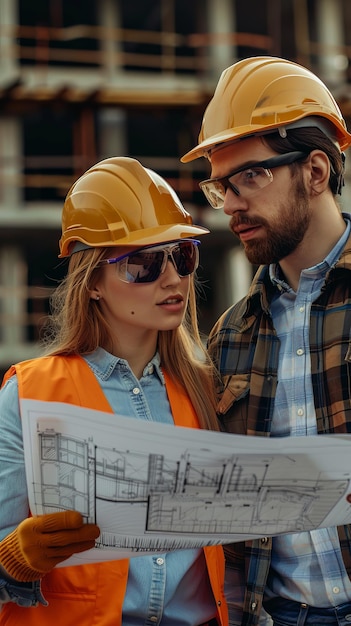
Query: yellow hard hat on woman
{"x": 262, "y": 94}
{"x": 120, "y": 202}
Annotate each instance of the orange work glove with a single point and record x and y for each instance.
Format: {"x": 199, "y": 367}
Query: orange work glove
{"x": 39, "y": 543}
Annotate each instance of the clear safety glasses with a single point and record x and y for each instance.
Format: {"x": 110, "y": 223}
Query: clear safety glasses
{"x": 145, "y": 265}
{"x": 246, "y": 180}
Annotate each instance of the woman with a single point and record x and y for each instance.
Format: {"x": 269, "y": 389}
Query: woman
{"x": 123, "y": 321}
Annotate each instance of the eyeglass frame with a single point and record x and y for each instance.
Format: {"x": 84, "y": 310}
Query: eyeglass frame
{"x": 276, "y": 161}
{"x": 166, "y": 256}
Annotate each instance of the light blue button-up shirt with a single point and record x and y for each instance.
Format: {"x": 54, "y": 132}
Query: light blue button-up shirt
{"x": 164, "y": 589}
{"x": 306, "y": 567}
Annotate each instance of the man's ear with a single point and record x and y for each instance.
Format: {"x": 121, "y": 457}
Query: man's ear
{"x": 319, "y": 171}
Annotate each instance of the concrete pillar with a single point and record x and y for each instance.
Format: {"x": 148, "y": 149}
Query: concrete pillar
{"x": 13, "y": 296}
{"x": 11, "y": 190}
{"x": 234, "y": 275}
{"x": 112, "y": 132}
{"x": 109, "y": 18}
{"x": 240, "y": 274}
{"x": 330, "y": 35}
{"x": 221, "y": 21}
{"x": 8, "y": 21}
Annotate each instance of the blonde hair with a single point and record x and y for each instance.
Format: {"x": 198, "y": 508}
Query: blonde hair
{"x": 76, "y": 326}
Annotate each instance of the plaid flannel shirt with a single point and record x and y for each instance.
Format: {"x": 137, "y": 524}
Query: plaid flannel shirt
{"x": 245, "y": 349}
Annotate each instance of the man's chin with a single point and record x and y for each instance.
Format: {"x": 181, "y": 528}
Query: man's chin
{"x": 255, "y": 256}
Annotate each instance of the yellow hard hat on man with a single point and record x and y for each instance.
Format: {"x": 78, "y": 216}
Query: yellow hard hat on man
{"x": 263, "y": 94}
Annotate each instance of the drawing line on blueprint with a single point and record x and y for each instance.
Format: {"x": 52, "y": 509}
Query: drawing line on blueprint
{"x": 236, "y": 493}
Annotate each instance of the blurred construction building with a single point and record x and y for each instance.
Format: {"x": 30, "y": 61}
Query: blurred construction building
{"x": 84, "y": 80}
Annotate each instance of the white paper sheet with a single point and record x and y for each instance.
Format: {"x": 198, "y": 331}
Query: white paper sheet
{"x": 154, "y": 487}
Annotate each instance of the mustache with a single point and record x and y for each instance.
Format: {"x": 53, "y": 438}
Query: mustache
{"x": 243, "y": 220}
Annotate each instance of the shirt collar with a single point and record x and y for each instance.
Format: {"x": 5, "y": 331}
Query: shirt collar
{"x": 321, "y": 268}
{"x": 103, "y": 364}
{"x": 264, "y": 284}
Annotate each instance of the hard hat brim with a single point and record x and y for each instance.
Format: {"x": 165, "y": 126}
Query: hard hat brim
{"x": 234, "y": 135}
{"x": 149, "y": 236}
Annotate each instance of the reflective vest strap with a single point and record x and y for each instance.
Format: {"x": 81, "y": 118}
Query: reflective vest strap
{"x": 67, "y": 379}
{"x": 182, "y": 410}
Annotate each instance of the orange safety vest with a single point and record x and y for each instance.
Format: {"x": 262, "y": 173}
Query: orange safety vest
{"x": 92, "y": 594}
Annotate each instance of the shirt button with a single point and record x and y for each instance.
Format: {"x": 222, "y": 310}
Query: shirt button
{"x": 336, "y": 590}
{"x": 136, "y": 390}
{"x": 300, "y": 412}
{"x": 299, "y": 352}
{"x": 301, "y": 309}
{"x": 160, "y": 561}
{"x": 153, "y": 618}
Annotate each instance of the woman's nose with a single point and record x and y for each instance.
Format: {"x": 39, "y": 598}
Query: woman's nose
{"x": 170, "y": 273}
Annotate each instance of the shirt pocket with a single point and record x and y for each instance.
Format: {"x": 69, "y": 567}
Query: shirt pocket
{"x": 235, "y": 388}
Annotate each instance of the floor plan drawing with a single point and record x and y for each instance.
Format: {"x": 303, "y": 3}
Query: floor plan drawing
{"x": 151, "y": 487}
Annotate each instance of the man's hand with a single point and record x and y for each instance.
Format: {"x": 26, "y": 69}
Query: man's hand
{"x": 39, "y": 543}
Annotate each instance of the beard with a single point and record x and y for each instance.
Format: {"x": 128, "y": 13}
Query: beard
{"x": 283, "y": 233}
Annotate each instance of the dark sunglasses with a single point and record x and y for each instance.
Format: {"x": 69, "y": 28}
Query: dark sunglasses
{"x": 145, "y": 265}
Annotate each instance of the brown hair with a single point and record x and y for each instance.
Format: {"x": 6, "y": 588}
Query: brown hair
{"x": 307, "y": 139}
{"x": 76, "y": 326}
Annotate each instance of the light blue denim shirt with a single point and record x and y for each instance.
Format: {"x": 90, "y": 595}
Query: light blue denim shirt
{"x": 163, "y": 589}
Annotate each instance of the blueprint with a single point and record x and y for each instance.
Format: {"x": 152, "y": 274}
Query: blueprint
{"x": 154, "y": 487}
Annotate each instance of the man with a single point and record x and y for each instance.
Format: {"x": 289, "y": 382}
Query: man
{"x": 275, "y": 137}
